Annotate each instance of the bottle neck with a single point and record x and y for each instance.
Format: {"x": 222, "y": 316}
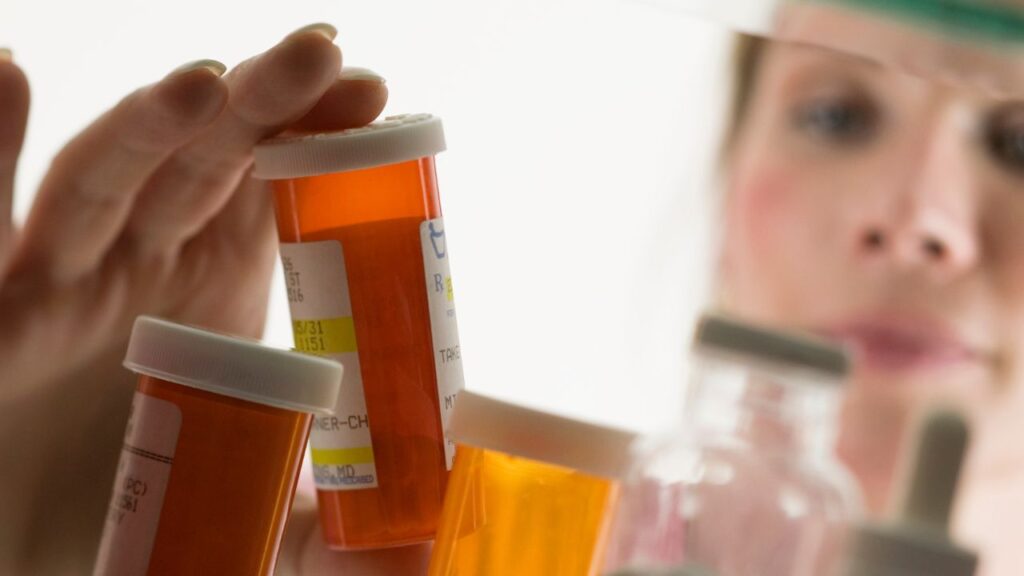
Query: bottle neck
{"x": 770, "y": 412}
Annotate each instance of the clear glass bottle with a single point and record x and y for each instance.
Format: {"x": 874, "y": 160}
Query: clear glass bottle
{"x": 749, "y": 484}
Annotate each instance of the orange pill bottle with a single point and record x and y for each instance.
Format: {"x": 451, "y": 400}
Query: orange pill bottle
{"x": 212, "y": 452}
{"x": 366, "y": 268}
{"x": 531, "y": 492}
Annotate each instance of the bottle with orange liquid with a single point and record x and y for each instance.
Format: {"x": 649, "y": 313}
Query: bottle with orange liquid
{"x": 531, "y": 493}
{"x": 366, "y": 267}
{"x": 212, "y": 452}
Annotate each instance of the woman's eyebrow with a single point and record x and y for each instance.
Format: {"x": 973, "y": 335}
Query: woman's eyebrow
{"x": 801, "y": 68}
{"x": 815, "y": 59}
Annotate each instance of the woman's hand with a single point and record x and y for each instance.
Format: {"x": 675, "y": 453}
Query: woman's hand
{"x": 150, "y": 210}
{"x": 303, "y": 552}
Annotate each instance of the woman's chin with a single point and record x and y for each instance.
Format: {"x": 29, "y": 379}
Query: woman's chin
{"x": 921, "y": 386}
{"x": 871, "y": 445}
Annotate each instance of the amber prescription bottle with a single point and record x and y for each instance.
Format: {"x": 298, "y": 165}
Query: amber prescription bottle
{"x": 531, "y": 492}
{"x": 366, "y": 267}
{"x": 212, "y": 452}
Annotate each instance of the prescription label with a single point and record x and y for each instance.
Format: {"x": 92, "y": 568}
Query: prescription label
{"x": 142, "y": 475}
{"x": 443, "y": 326}
{"x": 321, "y": 310}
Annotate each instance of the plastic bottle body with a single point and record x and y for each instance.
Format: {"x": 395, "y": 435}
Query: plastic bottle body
{"x": 747, "y": 486}
{"x": 507, "y": 515}
{"x": 204, "y": 486}
{"x": 376, "y": 218}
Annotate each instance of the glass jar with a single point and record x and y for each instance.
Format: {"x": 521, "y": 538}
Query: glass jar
{"x": 749, "y": 484}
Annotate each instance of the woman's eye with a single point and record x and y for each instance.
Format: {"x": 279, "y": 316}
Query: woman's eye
{"x": 1004, "y": 135}
{"x": 840, "y": 121}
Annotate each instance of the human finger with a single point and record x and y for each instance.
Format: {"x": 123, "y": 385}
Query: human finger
{"x": 14, "y": 102}
{"x": 268, "y": 93}
{"x": 356, "y": 98}
{"x": 88, "y": 192}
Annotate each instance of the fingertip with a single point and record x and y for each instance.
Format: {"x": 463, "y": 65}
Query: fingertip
{"x": 14, "y": 90}
{"x": 346, "y": 104}
{"x": 325, "y": 29}
{"x": 306, "y": 61}
{"x": 211, "y": 66}
{"x": 10, "y": 72}
{"x": 14, "y": 104}
{"x": 353, "y": 73}
{"x": 284, "y": 82}
{"x": 192, "y": 97}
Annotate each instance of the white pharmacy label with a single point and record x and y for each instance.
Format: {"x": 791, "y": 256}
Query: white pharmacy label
{"x": 444, "y": 329}
{"x": 318, "y": 295}
{"x": 142, "y": 475}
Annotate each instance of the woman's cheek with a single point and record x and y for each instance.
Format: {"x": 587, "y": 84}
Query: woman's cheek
{"x": 765, "y": 252}
{"x": 1001, "y": 262}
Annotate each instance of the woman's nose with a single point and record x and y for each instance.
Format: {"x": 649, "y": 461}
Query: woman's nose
{"x": 927, "y": 219}
{"x": 942, "y": 247}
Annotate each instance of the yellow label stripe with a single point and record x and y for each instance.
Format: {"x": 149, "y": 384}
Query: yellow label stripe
{"x": 326, "y": 336}
{"x": 343, "y": 456}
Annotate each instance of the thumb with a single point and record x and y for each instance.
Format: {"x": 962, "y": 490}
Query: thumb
{"x": 406, "y": 560}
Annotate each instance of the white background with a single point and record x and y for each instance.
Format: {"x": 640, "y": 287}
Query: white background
{"x": 576, "y": 185}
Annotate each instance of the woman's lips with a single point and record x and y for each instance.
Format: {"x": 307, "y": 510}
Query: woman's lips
{"x": 900, "y": 346}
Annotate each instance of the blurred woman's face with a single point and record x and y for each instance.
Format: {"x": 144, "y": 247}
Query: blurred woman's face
{"x": 887, "y": 212}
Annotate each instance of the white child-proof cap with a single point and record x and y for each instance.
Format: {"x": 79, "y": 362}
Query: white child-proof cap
{"x": 232, "y": 366}
{"x": 492, "y": 424}
{"x": 390, "y": 141}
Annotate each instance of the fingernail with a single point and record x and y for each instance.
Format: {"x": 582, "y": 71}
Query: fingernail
{"x": 214, "y": 66}
{"x": 358, "y": 73}
{"x": 6, "y": 54}
{"x": 328, "y": 31}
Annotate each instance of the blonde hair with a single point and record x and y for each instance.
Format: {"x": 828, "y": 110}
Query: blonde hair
{"x": 747, "y": 55}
